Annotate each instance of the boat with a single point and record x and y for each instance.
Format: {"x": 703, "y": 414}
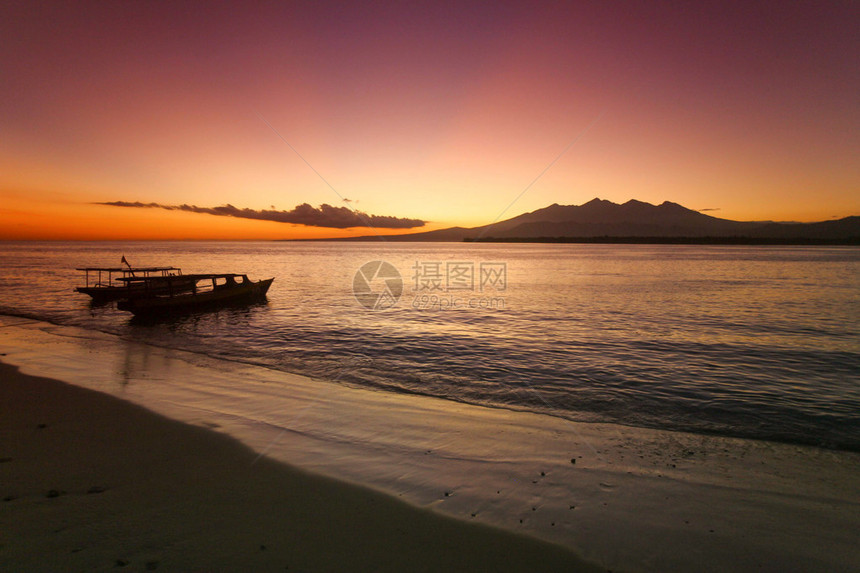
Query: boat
{"x": 111, "y": 283}
{"x": 154, "y": 296}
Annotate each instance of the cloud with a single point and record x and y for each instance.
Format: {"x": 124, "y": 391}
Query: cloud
{"x": 710, "y": 209}
{"x": 304, "y": 214}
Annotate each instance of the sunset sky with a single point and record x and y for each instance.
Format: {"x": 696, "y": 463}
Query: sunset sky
{"x": 441, "y": 112}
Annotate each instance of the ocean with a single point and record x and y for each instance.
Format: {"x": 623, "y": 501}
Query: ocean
{"x": 753, "y": 342}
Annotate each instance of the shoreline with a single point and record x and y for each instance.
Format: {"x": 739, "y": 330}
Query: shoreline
{"x": 28, "y": 319}
{"x": 91, "y": 481}
{"x": 626, "y": 498}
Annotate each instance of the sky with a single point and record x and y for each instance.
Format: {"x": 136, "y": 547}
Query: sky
{"x": 138, "y": 120}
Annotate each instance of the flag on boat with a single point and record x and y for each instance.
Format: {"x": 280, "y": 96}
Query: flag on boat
{"x": 124, "y": 261}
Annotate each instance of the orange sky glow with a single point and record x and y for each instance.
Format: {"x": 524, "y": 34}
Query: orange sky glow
{"x": 431, "y": 112}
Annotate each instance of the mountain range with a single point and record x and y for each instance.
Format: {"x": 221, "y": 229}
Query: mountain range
{"x": 636, "y": 221}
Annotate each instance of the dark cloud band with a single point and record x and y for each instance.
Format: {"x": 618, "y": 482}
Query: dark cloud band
{"x": 304, "y": 214}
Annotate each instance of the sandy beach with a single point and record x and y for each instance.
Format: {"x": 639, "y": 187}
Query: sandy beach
{"x": 184, "y": 455}
{"x": 90, "y": 482}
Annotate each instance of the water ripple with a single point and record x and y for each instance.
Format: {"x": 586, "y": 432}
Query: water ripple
{"x": 748, "y": 341}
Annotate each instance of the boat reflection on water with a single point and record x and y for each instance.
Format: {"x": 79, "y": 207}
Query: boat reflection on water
{"x": 228, "y": 313}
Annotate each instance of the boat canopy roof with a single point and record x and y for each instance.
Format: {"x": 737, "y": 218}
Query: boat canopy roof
{"x": 193, "y": 277}
{"x": 127, "y": 270}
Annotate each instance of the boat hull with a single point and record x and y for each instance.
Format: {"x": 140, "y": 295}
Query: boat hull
{"x": 111, "y": 293}
{"x": 193, "y": 301}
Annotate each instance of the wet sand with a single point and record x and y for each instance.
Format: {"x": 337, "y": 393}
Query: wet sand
{"x": 90, "y": 482}
{"x": 628, "y": 499}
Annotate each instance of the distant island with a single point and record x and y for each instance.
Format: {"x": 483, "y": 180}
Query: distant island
{"x": 600, "y": 221}
{"x": 673, "y": 240}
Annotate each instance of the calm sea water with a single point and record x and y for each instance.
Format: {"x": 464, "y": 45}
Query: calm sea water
{"x": 760, "y": 342}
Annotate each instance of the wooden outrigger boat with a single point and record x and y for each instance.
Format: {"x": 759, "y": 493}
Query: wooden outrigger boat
{"x": 110, "y": 283}
{"x": 154, "y": 296}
